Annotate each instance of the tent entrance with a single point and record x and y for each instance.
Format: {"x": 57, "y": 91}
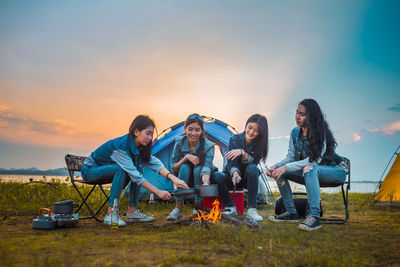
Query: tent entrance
{"x": 389, "y": 189}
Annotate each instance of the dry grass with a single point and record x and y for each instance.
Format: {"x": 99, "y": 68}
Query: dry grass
{"x": 371, "y": 237}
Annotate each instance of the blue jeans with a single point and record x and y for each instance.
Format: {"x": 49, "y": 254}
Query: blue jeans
{"x": 111, "y": 173}
{"x": 311, "y": 179}
{"x": 185, "y": 172}
{"x": 249, "y": 181}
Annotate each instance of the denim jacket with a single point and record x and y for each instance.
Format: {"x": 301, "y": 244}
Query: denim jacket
{"x": 123, "y": 151}
{"x": 293, "y": 161}
{"x": 238, "y": 141}
{"x": 181, "y": 149}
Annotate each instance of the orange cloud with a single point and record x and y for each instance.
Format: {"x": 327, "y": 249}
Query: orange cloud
{"x": 4, "y": 107}
{"x": 387, "y": 129}
{"x": 356, "y": 137}
{"x": 58, "y": 133}
{"x": 62, "y": 126}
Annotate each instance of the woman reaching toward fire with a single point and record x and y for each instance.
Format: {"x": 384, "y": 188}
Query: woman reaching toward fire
{"x": 121, "y": 159}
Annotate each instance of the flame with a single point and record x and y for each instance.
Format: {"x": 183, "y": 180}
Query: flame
{"x": 213, "y": 216}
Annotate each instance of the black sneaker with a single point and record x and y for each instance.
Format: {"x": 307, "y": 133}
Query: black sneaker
{"x": 284, "y": 217}
{"x": 311, "y": 223}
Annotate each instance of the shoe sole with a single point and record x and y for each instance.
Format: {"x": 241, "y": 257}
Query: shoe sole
{"x": 309, "y": 229}
{"x": 272, "y": 219}
{"x": 118, "y": 225}
{"x": 173, "y": 219}
{"x": 139, "y": 220}
{"x": 109, "y": 224}
{"x": 257, "y": 220}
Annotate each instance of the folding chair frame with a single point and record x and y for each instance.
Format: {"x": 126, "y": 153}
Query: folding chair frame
{"x": 74, "y": 163}
{"x": 345, "y": 193}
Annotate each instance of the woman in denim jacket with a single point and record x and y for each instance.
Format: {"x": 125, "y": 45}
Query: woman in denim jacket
{"x": 192, "y": 156}
{"x": 311, "y": 158}
{"x": 245, "y": 152}
{"x": 121, "y": 159}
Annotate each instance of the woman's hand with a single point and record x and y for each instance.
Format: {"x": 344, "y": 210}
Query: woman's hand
{"x": 236, "y": 178}
{"x": 193, "y": 159}
{"x": 206, "y": 179}
{"x": 270, "y": 171}
{"x": 233, "y": 154}
{"x": 277, "y": 173}
{"x": 164, "y": 195}
{"x": 179, "y": 183}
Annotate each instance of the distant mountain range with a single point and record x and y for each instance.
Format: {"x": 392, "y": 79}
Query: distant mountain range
{"x": 34, "y": 171}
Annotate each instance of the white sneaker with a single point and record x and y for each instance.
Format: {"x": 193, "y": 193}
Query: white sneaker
{"x": 107, "y": 220}
{"x": 137, "y": 216}
{"x": 174, "y": 215}
{"x": 231, "y": 211}
{"x": 253, "y": 214}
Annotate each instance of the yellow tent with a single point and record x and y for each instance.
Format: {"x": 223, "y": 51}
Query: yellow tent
{"x": 389, "y": 191}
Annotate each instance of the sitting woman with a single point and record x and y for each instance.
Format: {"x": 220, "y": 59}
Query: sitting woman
{"x": 192, "y": 156}
{"x": 245, "y": 152}
{"x": 311, "y": 158}
{"x": 121, "y": 159}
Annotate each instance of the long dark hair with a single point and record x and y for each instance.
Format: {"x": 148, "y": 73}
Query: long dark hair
{"x": 196, "y": 118}
{"x": 140, "y": 123}
{"x": 261, "y": 141}
{"x": 318, "y": 130}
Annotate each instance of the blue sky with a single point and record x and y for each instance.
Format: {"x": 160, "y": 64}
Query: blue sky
{"x": 73, "y": 74}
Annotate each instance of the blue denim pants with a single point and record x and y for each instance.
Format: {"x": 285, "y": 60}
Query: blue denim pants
{"x": 112, "y": 173}
{"x": 249, "y": 181}
{"x": 311, "y": 179}
{"x": 185, "y": 172}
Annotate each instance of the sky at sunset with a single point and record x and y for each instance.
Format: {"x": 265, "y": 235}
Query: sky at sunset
{"x": 74, "y": 74}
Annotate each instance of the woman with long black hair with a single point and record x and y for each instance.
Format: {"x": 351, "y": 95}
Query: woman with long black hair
{"x": 122, "y": 159}
{"x": 246, "y": 150}
{"x": 192, "y": 156}
{"x": 311, "y": 158}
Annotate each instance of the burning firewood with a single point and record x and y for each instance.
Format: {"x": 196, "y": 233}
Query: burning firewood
{"x": 207, "y": 215}
{"x": 248, "y": 222}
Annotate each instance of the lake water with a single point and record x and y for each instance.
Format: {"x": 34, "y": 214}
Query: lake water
{"x": 355, "y": 187}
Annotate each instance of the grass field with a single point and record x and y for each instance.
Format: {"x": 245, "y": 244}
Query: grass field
{"x": 370, "y": 238}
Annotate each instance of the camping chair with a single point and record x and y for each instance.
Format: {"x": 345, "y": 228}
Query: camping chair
{"x": 74, "y": 163}
{"x": 345, "y": 186}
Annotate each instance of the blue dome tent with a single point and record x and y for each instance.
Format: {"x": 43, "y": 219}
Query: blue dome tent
{"x": 215, "y": 130}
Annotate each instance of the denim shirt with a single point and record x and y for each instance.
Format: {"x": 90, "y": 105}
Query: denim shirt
{"x": 123, "y": 151}
{"x": 293, "y": 159}
{"x": 181, "y": 149}
{"x": 238, "y": 141}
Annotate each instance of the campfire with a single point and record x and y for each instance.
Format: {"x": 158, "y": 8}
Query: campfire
{"x": 214, "y": 216}
{"x": 206, "y": 215}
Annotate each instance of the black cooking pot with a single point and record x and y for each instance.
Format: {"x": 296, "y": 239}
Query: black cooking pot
{"x": 207, "y": 190}
{"x": 183, "y": 192}
{"x": 200, "y": 191}
{"x": 63, "y": 207}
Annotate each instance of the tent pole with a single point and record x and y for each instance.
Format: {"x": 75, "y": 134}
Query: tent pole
{"x": 380, "y": 180}
{"x": 264, "y": 178}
